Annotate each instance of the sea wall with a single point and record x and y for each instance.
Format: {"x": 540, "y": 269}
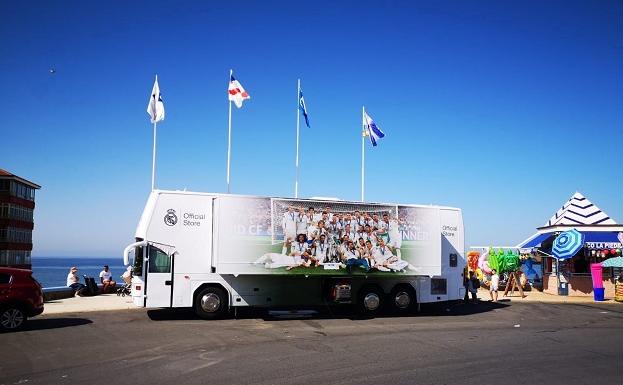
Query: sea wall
{"x": 60, "y": 292}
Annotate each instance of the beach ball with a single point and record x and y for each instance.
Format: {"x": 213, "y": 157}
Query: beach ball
{"x": 605, "y": 252}
{"x": 618, "y": 251}
{"x": 613, "y": 252}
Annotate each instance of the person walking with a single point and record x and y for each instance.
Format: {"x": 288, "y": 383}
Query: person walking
{"x": 466, "y": 285}
{"x": 493, "y": 286}
{"x": 473, "y": 285}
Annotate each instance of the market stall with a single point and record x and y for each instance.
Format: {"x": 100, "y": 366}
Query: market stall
{"x": 602, "y": 238}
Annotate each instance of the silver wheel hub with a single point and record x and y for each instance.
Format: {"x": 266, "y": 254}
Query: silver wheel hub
{"x": 402, "y": 299}
{"x": 11, "y": 318}
{"x": 210, "y": 302}
{"x": 371, "y": 301}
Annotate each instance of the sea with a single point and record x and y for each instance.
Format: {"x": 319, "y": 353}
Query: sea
{"x": 52, "y": 271}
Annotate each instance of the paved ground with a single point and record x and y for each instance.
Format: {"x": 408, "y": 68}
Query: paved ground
{"x": 508, "y": 342}
{"x": 88, "y": 304}
{"x": 114, "y": 302}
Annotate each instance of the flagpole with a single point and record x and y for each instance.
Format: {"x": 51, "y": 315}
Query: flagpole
{"x": 298, "y": 124}
{"x": 153, "y": 162}
{"x": 363, "y": 148}
{"x": 231, "y": 72}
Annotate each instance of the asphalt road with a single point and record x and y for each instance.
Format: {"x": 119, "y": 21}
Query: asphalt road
{"x": 528, "y": 343}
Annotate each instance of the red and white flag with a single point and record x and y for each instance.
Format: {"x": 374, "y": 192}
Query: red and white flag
{"x": 237, "y": 94}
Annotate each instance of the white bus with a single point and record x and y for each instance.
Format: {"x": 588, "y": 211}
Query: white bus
{"x": 215, "y": 252}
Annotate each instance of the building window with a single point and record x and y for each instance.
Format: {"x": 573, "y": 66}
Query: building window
{"x": 13, "y": 211}
{"x": 12, "y": 234}
{"x": 5, "y": 185}
{"x": 4, "y": 210}
{"x": 20, "y": 190}
{"x": 14, "y": 257}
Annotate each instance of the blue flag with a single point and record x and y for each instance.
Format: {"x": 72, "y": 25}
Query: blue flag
{"x": 303, "y": 107}
{"x": 372, "y": 130}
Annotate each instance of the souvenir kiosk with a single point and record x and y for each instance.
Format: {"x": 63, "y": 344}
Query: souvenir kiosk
{"x": 602, "y": 239}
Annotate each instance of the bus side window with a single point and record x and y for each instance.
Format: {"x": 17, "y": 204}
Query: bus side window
{"x": 453, "y": 259}
{"x": 159, "y": 261}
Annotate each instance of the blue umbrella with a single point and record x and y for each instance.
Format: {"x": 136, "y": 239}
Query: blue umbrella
{"x": 613, "y": 262}
{"x": 567, "y": 244}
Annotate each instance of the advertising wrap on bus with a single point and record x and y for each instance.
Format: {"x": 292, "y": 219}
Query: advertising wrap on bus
{"x": 282, "y": 236}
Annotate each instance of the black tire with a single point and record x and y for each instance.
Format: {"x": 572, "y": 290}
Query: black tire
{"x": 12, "y": 318}
{"x": 211, "y": 303}
{"x": 370, "y": 300}
{"x": 402, "y": 299}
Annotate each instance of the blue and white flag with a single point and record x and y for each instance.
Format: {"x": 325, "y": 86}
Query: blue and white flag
{"x": 155, "y": 106}
{"x": 372, "y": 130}
{"x": 303, "y": 107}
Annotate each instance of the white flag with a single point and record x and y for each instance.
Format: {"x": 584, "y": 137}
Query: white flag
{"x": 155, "y": 107}
{"x": 236, "y": 92}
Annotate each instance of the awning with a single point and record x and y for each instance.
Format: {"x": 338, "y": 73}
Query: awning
{"x": 589, "y": 236}
{"x": 536, "y": 241}
{"x": 601, "y": 236}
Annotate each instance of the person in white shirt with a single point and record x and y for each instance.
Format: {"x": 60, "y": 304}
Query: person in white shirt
{"x": 289, "y": 224}
{"x": 321, "y": 249}
{"x": 301, "y": 222}
{"x": 348, "y": 220}
{"x": 313, "y": 216}
{"x": 329, "y": 213}
{"x": 369, "y": 236}
{"x": 348, "y": 232}
{"x": 312, "y": 230}
{"x": 108, "y": 285}
{"x": 493, "y": 285}
{"x": 385, "y": 260}
{"x": 73, "y": 281}
{"x": 359, "y": 219}
{"x": 334, "y": 226}
{"x": 353, "y": 258}
{"x": 360, "y": 233}
{"x": 392, "y": 234}
{"x": 375, "y": 221}
{"x": 325, "y": 218}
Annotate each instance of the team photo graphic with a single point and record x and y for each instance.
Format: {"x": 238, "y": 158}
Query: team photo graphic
{"x": 314, "y": 237}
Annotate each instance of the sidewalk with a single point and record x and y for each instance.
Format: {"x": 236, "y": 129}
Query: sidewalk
{"x": 537, "y": 296}
{"x": 107, "y": 302}
{"x": 100, "y": 302}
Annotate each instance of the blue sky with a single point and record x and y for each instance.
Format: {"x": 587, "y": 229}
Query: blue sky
{"x": 504, "y": 109}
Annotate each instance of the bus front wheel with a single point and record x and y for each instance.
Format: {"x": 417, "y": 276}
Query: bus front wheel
{"x": 211, "y": 303}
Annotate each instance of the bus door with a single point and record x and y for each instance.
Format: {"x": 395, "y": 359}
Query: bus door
{"x": 159, "y": 275}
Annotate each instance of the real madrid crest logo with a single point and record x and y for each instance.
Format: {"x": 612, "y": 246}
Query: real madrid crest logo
{"x": 170, "y": 219}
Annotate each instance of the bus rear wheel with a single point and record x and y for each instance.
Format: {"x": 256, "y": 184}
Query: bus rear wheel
{"x": 370, "y": 300}
{"x": 211, "y": 303}
{"x": 402, "y": 298}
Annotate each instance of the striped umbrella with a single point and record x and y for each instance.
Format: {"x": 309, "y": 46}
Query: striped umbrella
{"x": 567, "y": 244}
{"x": 613, "y": 262}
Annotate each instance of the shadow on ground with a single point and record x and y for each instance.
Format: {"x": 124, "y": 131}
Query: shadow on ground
{"x": 343, "y": 312}
{"x": 53, "y": 323}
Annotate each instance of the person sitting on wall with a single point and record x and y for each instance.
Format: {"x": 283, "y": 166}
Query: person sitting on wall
{"x": 73, "y": 281}
{"x": 108, "y": 285}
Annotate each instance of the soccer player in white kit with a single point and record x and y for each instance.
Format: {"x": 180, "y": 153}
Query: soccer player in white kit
{"x": 289, "y": 224}
{"x": 301, "y": 222}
